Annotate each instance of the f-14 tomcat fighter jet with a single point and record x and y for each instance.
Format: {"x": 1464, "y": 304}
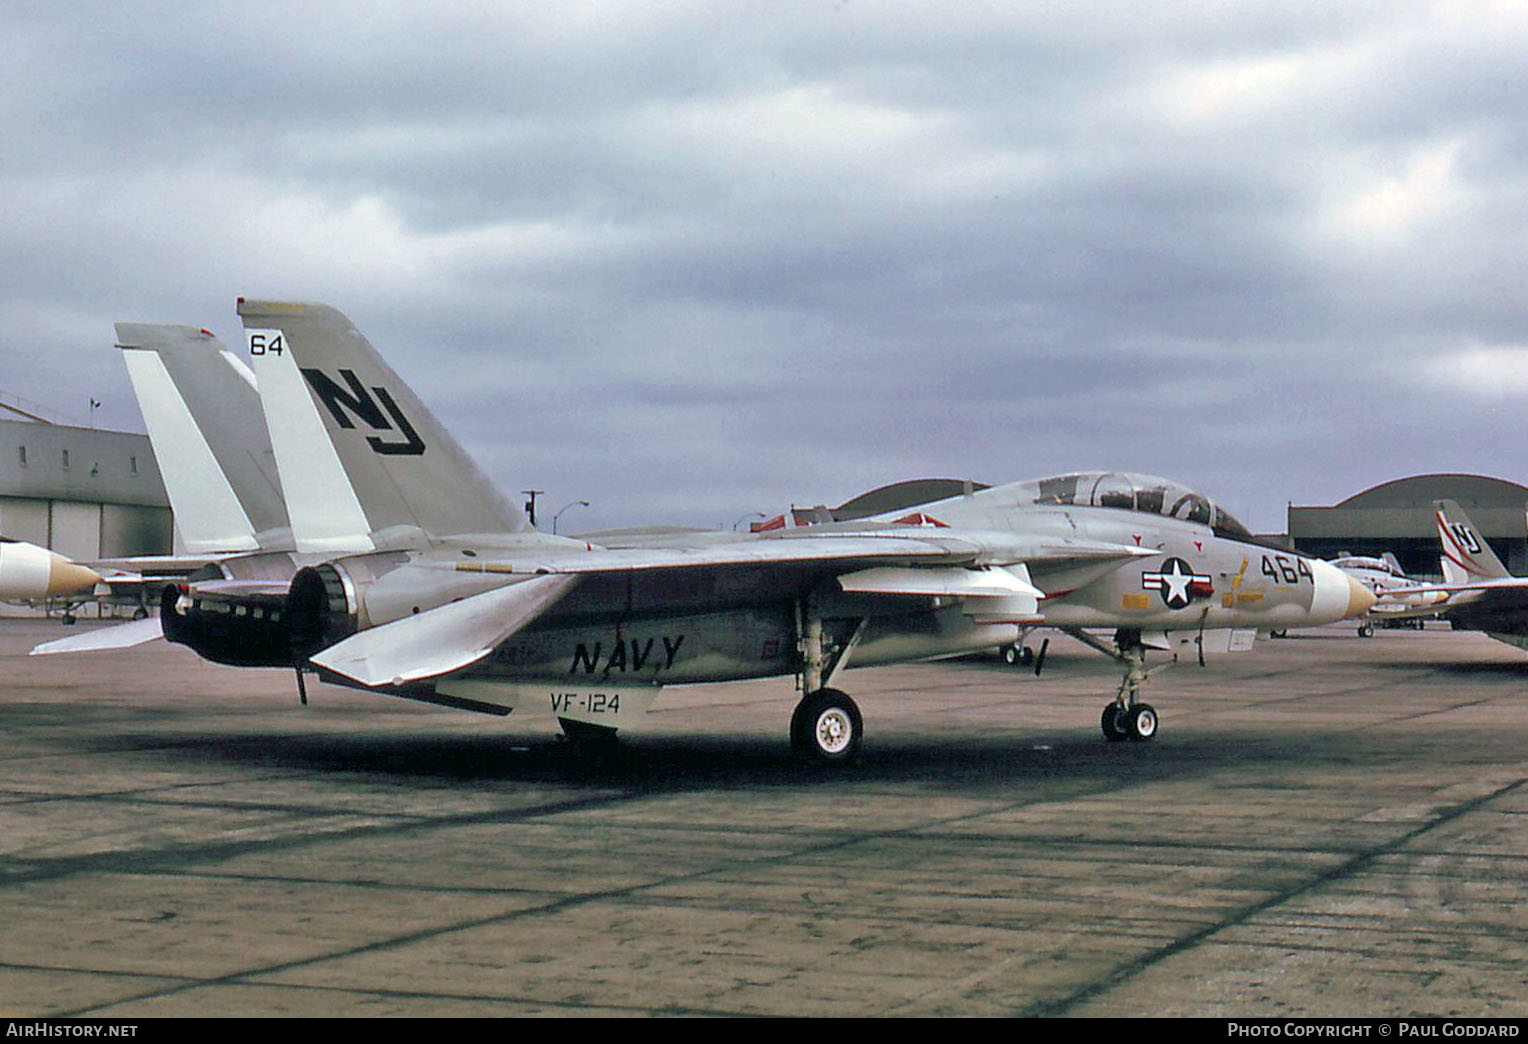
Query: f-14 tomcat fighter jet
{"x": 416, "y": 579}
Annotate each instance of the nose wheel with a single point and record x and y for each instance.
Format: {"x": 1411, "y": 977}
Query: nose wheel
{"x": 1137, "y": 723}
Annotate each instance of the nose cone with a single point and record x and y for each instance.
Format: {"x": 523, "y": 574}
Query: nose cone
{"x": 1360, "y": 599}
{"x": 66, "y": 577}
{"x": 29, "y": 572}
{"x": 1337, "y": 596}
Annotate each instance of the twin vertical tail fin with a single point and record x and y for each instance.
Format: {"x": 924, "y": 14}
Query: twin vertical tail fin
{"x": 202, "y": 410}
{"x": 363, "y": 463}
{"x": 1466, "y": 555}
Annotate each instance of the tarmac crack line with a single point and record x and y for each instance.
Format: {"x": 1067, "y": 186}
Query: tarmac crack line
{"x": 166, "y": 859}
{"x": 1124, "y": 973}
{"x": 251, "y": 976}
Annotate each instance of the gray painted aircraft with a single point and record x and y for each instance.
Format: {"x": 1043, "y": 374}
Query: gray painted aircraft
{"x": 418, "y": 580}
{"x": 1400, "y": 599}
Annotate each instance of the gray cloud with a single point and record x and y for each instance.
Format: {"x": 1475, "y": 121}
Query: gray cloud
{"x": 692, "y": 261}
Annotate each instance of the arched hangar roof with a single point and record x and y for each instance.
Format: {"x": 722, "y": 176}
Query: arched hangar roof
{"x": 1422, "y": 490}
{"x": 1398, "y": 516}
{"x": 899, "y": 495}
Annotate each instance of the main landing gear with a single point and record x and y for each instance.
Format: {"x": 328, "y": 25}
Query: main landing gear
{"x": 826, "y": 727}
{"x": 1125, "y": 717}
{"x": 1017, "y": 655}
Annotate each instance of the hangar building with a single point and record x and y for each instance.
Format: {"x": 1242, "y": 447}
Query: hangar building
{"x": 85, "y": 493}
{"x": 1398, "y": 516}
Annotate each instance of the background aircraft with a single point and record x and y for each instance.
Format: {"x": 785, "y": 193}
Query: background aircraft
{"x": 1480, "y": 594}
{"x": 418, "y": 580}
{"x": 1400, "y": 599}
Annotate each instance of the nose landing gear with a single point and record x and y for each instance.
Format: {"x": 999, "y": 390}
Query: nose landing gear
{"x": 1138, "y": 722}
{"x": 1125, "y": 717}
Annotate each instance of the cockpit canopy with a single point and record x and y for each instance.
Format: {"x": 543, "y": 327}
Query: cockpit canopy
{"x": 1378, "y": 565}
{"x": 1147, "y": 494}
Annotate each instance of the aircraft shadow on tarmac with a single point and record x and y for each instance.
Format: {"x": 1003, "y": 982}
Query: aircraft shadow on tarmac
{"x": 1507, "y": 669}
{"x": 664, "y": 764}
{"x": 1460, "y": 668}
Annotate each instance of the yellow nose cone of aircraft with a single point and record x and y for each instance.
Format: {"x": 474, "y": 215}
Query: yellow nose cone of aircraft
{"x": 1337, "y": 596}
{"x": 66, "y": 577}
{"x": 29, "y": 572}
{"x": 1360, "y": 599}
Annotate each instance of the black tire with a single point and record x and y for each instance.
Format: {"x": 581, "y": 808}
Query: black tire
{"x": 1141, "y": 722}
{"x": 826, "y": 728}
{"x": 592, "y": 746}
{"x": 1018, "y": 655}
{"x": 1114, "y": 731}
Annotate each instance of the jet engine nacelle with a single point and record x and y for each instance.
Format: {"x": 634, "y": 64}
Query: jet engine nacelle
{"x": 239, "y": 630}
{"x": 330, "y": 602}
{"x": 233, "y": 612}
{"x": 264, "y": 623}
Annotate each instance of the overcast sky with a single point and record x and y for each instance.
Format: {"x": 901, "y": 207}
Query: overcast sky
{"x": 690, "y": 261}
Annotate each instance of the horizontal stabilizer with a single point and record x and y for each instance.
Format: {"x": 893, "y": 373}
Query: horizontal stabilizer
{"x": 444, "y": 639}
{"x": 241, "y": 588}
{"x": 122, "y": 636}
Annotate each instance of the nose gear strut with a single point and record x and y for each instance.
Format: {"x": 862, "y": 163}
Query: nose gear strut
{"x": 1126, "y": 717}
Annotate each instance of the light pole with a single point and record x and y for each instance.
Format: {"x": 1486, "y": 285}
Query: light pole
{"x": 530, "y": 505}
{"x": 745, "y": 518}
{"x": 565, "y": 507}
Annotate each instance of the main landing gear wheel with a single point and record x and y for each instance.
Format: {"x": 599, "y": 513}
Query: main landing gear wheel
{"x": 593, "y": 746}
{"x": 826, "y": 727}
{"x": 1113, "y": 730}
{"x": 1137, "y": 723}
{"x": 1018, "y": 655}
{"x": 1141, "y": 722}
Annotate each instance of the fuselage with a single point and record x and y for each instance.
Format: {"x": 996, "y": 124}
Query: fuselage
{"x": 1203, "y": 576}
{"x": 1195, "y": 569}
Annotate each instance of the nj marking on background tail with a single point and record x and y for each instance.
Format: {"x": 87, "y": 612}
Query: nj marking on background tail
{"x": 1466, "y": 555}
